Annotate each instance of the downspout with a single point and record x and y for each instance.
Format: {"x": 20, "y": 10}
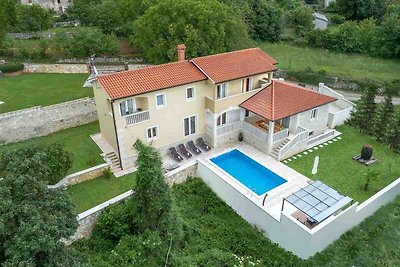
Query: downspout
{"x": 116, "y": 134}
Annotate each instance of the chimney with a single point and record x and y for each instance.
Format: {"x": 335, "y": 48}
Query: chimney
{"x": 181, "y": 52}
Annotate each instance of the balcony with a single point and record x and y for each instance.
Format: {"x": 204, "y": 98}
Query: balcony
{"x": 137, "y": 117}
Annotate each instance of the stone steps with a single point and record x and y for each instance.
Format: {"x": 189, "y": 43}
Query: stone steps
{"x": 115, "y": 164}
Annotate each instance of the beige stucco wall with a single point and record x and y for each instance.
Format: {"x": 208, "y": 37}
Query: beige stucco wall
{"x": 319, "y": 124}
{"x": 103, "y": 106}
{"x": 169, "y": 119}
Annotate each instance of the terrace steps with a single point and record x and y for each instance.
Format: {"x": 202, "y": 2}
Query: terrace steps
{"x": 115, "y": 164}
{"x": 278, "y": 147}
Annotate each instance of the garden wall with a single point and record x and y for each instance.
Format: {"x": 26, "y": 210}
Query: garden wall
{"x": 40, "y": 121}
{"x": 82, "y": 176}
{"x": 75, "y": 68}
{"x": 287, "y": 231}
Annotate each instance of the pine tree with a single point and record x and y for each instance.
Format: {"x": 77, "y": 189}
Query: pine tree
{"x": 392, "y": 133}
{"x": 383, "y": 117}
{"x": 153, "y": 202}
{"x": 362, "y": 116}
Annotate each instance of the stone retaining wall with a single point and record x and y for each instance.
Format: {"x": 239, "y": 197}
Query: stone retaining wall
{"x": 181, "y": 174}
{"x": 40, "y": 121}
{"x": 82, "y": 176}
{"x": 75, "y": 68}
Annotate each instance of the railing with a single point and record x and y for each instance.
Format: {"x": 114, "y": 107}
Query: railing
{"x": 280, "y": 135}
{"x": 223, "y": 129}
{"x": 255, "y": 131}
{"x": 320, "y": 137}
{"x": 137, "y": 117}
{"x": 301, "y": 136}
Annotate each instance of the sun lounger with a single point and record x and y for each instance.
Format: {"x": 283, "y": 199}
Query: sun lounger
{"x": 203, "y": 144}
{"x": 193, "y": 148}
{"x": 184, "y": 151}
{"x": 175, "y": 154}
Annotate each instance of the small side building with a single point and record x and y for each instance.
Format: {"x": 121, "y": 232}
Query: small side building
{"x": 320, "y": 21}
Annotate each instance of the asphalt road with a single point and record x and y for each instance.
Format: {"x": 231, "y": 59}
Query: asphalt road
{"x": 352, "y": 96}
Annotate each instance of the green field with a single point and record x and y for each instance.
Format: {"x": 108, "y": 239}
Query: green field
{"x": 76, "y": 140}
{"x": 352, "y": 66}
{"x": 88, "y": 194}
{"x": 30, "y": 90}
{"x": 339, "y": 170}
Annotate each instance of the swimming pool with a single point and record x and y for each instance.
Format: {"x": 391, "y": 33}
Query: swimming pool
{"x": 247, "y": 171}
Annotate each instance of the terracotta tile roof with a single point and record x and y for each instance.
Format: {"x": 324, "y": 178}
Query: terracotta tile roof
{"x": 280, "y": 99}
{"x": 234, "y": 65}
{"x": 135, "y": 82}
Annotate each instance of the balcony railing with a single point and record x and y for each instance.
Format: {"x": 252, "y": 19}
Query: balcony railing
{"x": 223, "y": 129}
{"x": 280, "y": 135}
{"x": 137, "y": 117}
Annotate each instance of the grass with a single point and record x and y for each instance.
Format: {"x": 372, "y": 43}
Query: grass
{"x": 352, "y": 66}
{"x": 214, "y": 233}
{"x": 91, "y": 193}
{"x": 337, "y": 169}
{"x": 76, "y": 140}
{"x": 30, "y": 90}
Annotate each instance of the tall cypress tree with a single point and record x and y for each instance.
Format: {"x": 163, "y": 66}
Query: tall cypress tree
{"x": 392, "y": 133}
{"x": 383, "y": 117}
{"x": 365, "y": 110}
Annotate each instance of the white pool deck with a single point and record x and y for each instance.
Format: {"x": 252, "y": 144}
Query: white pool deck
{"x": 273, "y": 202}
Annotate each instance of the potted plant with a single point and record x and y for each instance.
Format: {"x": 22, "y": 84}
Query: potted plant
{"x": 366, "y": 152}
{"x": 240, "y": 137}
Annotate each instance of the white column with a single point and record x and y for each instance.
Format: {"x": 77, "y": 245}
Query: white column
{"x": 271, "y": 126}
{"x": 215, "y": 117}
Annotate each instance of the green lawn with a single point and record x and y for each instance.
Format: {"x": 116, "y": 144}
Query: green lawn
{"x": 88, "y": 194}
{"x": 337, "y": 169}
{"x": 76, "y": 140}
{"x": 353, "y": 66}
{"x": 30, "y": 90}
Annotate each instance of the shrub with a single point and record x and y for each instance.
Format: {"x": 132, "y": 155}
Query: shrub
{"x": 107, "y": 173}
{"x": 310, "y": 77}
{"x": 114, "y": 222}
{"x": 337, "y": 19}
{"x": 11, "y": 67}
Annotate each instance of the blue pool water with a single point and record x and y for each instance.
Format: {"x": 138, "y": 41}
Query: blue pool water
{"x": 249, "y": 172}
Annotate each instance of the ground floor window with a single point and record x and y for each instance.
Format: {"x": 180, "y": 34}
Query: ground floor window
{"x": 221, "y": 120}
{"x": 152, "y": 133}
{"x": 190, "y": 125}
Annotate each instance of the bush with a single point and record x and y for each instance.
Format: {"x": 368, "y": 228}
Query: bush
{"x": 107, "y": 173}
{"x": 11, "y": 67}
{"x": 114, "y": 222}
{"x": 302, "y": 19}
{"x": 337, "y": 19}
{"x": 310, "y": 77}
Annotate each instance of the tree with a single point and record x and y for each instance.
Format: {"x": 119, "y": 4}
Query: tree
{"x": 206, "y": 27}
{"x": 153, "y": 204}
{"x": 33, "y": 18}
{"x": 389, "y": 33}
{"x": 267, "y": 20}
{"x": 365, "y": 109}
{"x": 33, "y": 218}
{"x": 50, "y": 163}
{"x": 361, "y": 9}
{"x": 370, "y": 176}
{"x": 383, "y": 117}
{"x": 392, "y": 132}
{"x": 302, "y": 19}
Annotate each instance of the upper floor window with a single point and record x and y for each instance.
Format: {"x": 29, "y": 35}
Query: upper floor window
{"x": 160, "y": 101}
{"x": 127, "y": 107}
{"x": 221, "y": 120}
{"x": 190, "y": 94}
{"x": 222, "y": 90}
{"x": 152, "y": 133}
{"x": 246, "y": 113}
{"x": 314, "y": 113}
{"x": 247, "y": 84}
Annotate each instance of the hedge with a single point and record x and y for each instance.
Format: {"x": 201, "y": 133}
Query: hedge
{"x": 11, "y": 67}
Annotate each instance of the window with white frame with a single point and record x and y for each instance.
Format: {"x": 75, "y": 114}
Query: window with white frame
{"x": 152, "y": 133}
{"x": 190, "y": 94}
{"x": 222, "y": 90}
{"x": 222, "y": 119}
{"x": 127, "y": 107}
{"x": 314, "y": 113}
{"x": 160, "y": 101}
{"x": 190, "y": 125}
{"x": 247, "y": 84}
